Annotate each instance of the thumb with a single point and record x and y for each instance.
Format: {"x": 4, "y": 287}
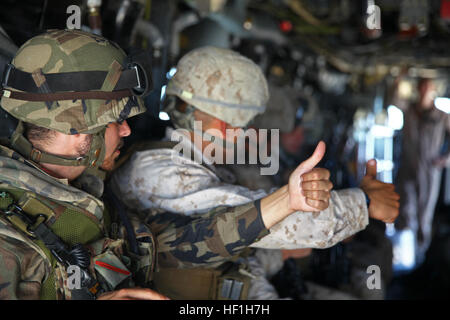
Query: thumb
{"x": 317, "y": 155}
{"x": 371, "y": 168}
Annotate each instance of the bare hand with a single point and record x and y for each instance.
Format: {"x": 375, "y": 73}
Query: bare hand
{"x": 309, "y": 187}
{"x": 132, "y": 294}
{"x": 384, "y": 201}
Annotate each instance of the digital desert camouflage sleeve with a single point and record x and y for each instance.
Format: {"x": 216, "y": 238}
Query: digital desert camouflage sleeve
{"x": 207, "y": 239}
{"x": 346, "y": 215}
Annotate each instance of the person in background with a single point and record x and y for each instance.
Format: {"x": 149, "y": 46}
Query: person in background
{"x": 420, "y": 170}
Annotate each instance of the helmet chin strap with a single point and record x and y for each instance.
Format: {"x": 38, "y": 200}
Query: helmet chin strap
{"x": 93, "y": 159}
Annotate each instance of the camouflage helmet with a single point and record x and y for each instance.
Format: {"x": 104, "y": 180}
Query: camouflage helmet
{"x": 222, "y": 83}
{"x": 68, "y": 81}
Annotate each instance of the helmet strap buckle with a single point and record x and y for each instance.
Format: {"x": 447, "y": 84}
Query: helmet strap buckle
{"x": 35, "y": 155}
{"x": 138, "y": 79}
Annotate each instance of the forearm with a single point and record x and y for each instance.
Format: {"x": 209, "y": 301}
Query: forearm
{"x": 346, "y": 215}
{"x": 275, "y": 207}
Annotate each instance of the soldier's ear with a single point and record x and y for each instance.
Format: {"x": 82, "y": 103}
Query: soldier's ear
{"x": 213, "y": 123}
{"x": 206, "y": 119}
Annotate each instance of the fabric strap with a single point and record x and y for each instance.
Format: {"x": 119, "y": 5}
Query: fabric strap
{"x": 59, "y": 96}
{"x": 67, "y": 81}
{"x": 94, "y": 158}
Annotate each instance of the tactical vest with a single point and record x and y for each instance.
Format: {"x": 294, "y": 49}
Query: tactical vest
{"x": 97, "y": 244}
{"x": 75, "y": 226}
{"x": 69, "y": 223}
{"x": 229, "y": 281}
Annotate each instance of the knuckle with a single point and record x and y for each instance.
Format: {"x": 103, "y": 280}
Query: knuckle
{"x": 122, "y": 292}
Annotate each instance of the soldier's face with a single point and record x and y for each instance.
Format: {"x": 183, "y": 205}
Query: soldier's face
{"x": 113, "y": 142}
{"x": 427, "y": 90}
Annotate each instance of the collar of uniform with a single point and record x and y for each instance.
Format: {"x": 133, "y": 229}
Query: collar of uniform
{"x": 221, "y": 172}
{"x": 48, "y": 173}
{"x": 186, "y": 143}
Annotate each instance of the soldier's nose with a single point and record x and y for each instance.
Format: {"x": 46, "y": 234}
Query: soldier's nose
{"x": 124, "y": 129}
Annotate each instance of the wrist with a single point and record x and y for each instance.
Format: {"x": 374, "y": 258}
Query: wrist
{"x": 367, "y": 199}
{"x": 275, "y": 207}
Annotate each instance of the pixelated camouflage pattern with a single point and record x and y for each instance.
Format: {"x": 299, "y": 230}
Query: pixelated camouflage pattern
{"x": 261, "y": 263}
{"x": 224, "y": 76}
{"x": 59, "y": 51}
{"x": 208, "y": 239}
{"x": 164, "y": 178}
{"x": 346, "y": 215}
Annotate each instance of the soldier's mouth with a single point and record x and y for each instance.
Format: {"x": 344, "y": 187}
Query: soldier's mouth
{"x": 121, "y": 144}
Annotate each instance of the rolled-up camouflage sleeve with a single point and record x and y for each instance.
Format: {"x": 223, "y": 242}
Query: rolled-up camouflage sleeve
{"x": 207, "y": 239}
{"x": 22, "y": 270}
{"x": 346, "y": 215}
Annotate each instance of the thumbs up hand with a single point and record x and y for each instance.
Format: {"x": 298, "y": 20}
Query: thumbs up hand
{"x": 309, "y": 188}
{"x": 384, "y": 201}
{"x": 371, "y": 169}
